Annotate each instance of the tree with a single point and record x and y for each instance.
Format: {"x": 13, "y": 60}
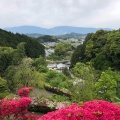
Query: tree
{"x": 4, "y": 90}
{"x": 57, "y": 79}
{"x": 101, "y": 48}
{"x": 105, "y": 87}
{"x": 47, "y": 38}
{"x": 83, "y": 89}
{"x": 79, "y": 54}
{"x": 5, "y": 58}
{"x": 39, "y": 61}
{"x": 62, "y": 48}
{"x": 40, "y": 64}
{"x": 18, "y": 53}
{"x": 34, "y": 49}
{"x": 23, "y": 75}
{"x": 3, "y": 85}
{"x": 116, "y": 75}
{"x": 113, "y": 49}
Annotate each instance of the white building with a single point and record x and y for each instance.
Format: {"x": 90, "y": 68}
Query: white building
{"x": 61, "y": 66}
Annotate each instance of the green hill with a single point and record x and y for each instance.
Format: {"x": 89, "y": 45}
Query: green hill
{"x": 47, "y": 38}
{"x": 33, "y": 48}
{"x": 101, "y": 48}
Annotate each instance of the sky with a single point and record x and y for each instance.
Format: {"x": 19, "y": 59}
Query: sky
{"x": 51, "y": 13}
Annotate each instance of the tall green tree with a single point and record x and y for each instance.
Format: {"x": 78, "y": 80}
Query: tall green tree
{"x": 22, "y": 75}
{"x": 5, "y": 58}
{"x": 40, "y": 64}
{"x": 3, "y": 85}
{"x": 83, "y": 89}
{"x": 105, "y": 87}
{"x": 79, "y": 54}
{"x": 18, "y": 53}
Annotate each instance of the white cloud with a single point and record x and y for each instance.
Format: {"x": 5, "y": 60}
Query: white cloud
{"x": 50, "y": 13}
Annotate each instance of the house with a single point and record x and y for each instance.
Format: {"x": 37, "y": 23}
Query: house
{"x": 67, "y": 63}
{"x": 58, "y": 67}
{"x": 52, "y": 66}
{"x": 61, "y": 66}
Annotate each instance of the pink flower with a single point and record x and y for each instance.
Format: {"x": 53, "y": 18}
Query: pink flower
{"x": 16, "y": 108}
{"x": 23, "y": 92}
{"x": 92, "y": 110}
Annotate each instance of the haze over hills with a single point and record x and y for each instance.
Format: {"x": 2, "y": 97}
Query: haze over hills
{"x": 59, "y": 30}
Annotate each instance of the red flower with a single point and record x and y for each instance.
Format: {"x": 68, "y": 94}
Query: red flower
{"x": 93, "y": 110}
{"x": 23, "y": 92}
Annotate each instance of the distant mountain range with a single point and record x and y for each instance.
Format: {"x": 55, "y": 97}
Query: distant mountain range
{"x": 60, "y": 30}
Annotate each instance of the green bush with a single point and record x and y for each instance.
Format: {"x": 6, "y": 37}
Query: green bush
{"x": 3, "y": 95}
{"x": 59, "y": 98}
{"x": 3, "y": 85}
{"x": 118, "y": 103}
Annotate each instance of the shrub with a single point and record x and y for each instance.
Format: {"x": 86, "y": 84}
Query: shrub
{"x": 23, "y": 92}
{"x": 15, "y": 108}
{"x": 58, "y": 91}
{"x": 92, "y": 110}
{"x": 3, "y": 85}
{"x": 3, "y": 95}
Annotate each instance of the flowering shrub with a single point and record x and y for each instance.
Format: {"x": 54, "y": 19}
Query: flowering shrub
{"x": 16, "y": 109}
{"x": 23, "y": 92}
{"x": 93, "y": 110}
{"x": 31, "y": 117}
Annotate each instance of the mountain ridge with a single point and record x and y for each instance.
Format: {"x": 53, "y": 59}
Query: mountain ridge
{"x": 58, "y": 30}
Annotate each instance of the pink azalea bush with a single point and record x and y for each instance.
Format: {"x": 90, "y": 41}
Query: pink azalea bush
{"x": 31, "y": 117}
{"x": 23, "y": 92}
{"x": 93, "y": 110}
{"x": 16, "y": 109}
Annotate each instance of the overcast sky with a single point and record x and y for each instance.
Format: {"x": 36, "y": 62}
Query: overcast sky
{"x": 51, "y": 13}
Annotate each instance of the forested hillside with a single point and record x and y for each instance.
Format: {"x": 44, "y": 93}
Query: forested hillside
{"x": 47, "y": 38}
{"x": 22, "y": 63}
{"x": 15, "y": 47}
{"x": 102, "y": 49}
{"x": 32, "y": 47}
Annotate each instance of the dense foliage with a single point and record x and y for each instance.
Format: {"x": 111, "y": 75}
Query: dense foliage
{"x": 107, "y": 86}
{"x": 89, "y": 85}
{"x": 58, "y": 79}
{"x": 47, "y": 38}
{"x": 101, "y": 48}
{"x": 4, "y": 91}
{"x": 14, "y": 49}
{"x": 32, "y": 47}
{"x": 83, "y": 87}
{"x": 24, "y": 74}
{"x": 63, "y": 49}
